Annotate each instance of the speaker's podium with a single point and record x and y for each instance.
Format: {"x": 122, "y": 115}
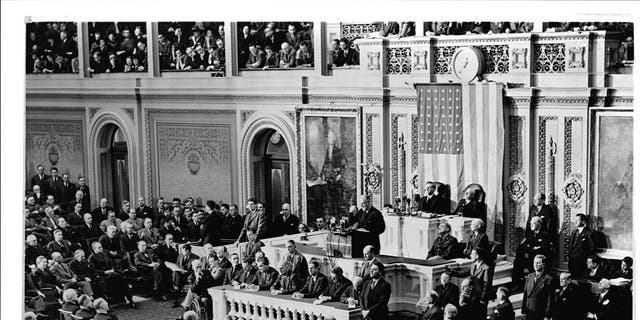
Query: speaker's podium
{"x": 346, "y": 243}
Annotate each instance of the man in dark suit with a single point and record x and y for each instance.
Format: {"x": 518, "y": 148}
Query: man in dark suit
{"x": 432, "y": 310}
{"x": 68, "y": 192}
{"x": 544, "y": 212}
{"x": 346, "y": 56}
{"x": 75, "y": 218}
{"x": 267, "y": 275}
{"x": 478, "y": 239}
{"x": 595, "y": 269}
{"x": 233, "y": 273}
{"x": 253, "y": 219}
{"x": 504, "y": 309}
{"x": 102, "y": 211}
{"x": 338, "y": 285}
{"x": 535, "y": 242}
{"x": 580, "y": 246}
{"x": 469, "y": 207}
{"x": 481, "y": 278}
{"x": 316, "y": 283}
{"x": 539, "y": 289}
{"x": 253, "y": 244}
{"x": 285, "y": 222}
{"x": 86, "y": 193}
{"x": 89, "y": 230}
{"x": 231, "y": 221}
{"x": 54, "y": 185}
{"x": 41, "y": 276}
{"x": 59, "y": 244}
{"x": 370, "y": 258}
{"x": 433, "y": 203}
{"x": 608, "y": 303}
{"x": 148, "y": 266}
{"x": 568, "y": 300}
{"x": 298, "y": 262}
{"x": 444, "y": 245}
{"x": 40, "y": 179}
{"x": 248, "y": 273}
{"x": 375, "y": 294}
{"x": 448, "y": 293}
{"x": 38, "y": 195}
{"x": 143, "y": 211}
{"x": 368, "y": 224}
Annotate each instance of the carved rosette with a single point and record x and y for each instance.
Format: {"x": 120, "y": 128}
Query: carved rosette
{"x": 576, "y": 57}
{"x": 572, "y": 190}
{"x": 519, "y": 60}
{"x": 92, "y": 112}
{"x": 419, "y": 60}
{"x": 517, "y": 188}
{"x": 374, "y": 61}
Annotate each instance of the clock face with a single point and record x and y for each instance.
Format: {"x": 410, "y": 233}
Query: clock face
{"x": 468, "y": 63}
{"x": 275, "y": 138}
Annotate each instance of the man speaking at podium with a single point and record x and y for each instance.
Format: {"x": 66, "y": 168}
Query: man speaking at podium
{"x": 367, "y": 224}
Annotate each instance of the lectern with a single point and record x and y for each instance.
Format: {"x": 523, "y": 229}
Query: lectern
{"x": 339, "y": 244}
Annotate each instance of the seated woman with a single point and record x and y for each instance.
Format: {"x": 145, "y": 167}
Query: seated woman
{"x": 469, "y": 207}
{"x": 86, "y": 311}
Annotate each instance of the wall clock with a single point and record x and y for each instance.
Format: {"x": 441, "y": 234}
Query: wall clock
{"x": 468, "y": 63}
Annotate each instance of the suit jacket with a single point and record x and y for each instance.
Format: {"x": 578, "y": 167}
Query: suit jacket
{"x": 200, "y": 286}
{"x": 371, "y": 220}
{"x": 548, "y": 216}
{"x": 503, "y": 311}
{"x": 607, "y": 307}
{"x": 169, "y": 254}
{"x": 288, "y": 284}
{"x": 444, "y": 247}
{"x": 46, "y": 222}
{"x": 480, "y": 240}
{"x": 195, "y": 232}
{"x": 433, "y": 313}
{"x": 540, "y": 243}
{"x": 42, "y": 182}
{"x": 264, "y": 280}
{"x": 435, "y": 204}
{"x": 480, "y": 280}
{"x": 598, "y": 275}
{"x": 128, "y": 244}
{"x": 137, "y": 223}
{"x": 375, "y": 299}
{"x": 257, "y": 221}
{"x": 351, "y": 57}
{"x": 283, "y": 226}
{"x": 248, "y": 276}
{"x": 98, "y": 216}
{"x": 336, "y": 289}
{"x": 32, "y": 253}
{"x": 40, "y": 198}
{"x": 185, "y": 261}
{"x": 251, "y": 248}
{"x": 538, "y": 296}
{"x": 100, "y": 262}
{"x": 232, "y": 274}
{"x": 43, "y": 279}
{"x": 313, "y": 289}
{"x": 75, "y": 219}
{"x": 364, "y": 270}
{"x": 144, "y": 212}
{"x": 299, "y": 263}
{"x": 581, "y": 245}
{"x": 231, "y": 226}
{"x": 150, "y": 236}
{"x": 447, "y": 294}
{"x": 143, "y": 259}
{"x": 89, "y": 233}
{"x": 109, "y": 244}
{"x": 82, "y": 269}
{"x": 272, "y": 60}
{"x": 288, "y": 58}
{"x": 64, "y": 248}
{"x": 472, "y": 209}
{"x": 567, "y": 303}
{"x": 258, "y": 58}
{"x": 86, "y": 198}
{"x": 62, "y": 272}
{"x": 55, "y": 188}
{"x": 68, "y": 193}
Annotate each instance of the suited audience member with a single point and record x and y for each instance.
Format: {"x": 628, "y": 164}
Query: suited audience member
{"x": 180, "y": 276}
{"x": 54, "y": 185}
{"x": 338, "y": 285}
{"x": 346, "y": 55}
{"x": 316, "y": 283}
{"x": 470, "y": 306}
{"x": 75, "y": 217}
{"x": 86, "y": 193}
{"x": 370, "y": 258}
{"x": 248, "y": 274}
{"x": 376, "y": 291}
{"x": 469, "y": 207}
{"x": 89, "y": 230}
{"x": 478, "y": 238}
{"x": 535, "y": 242}
{"x": 607, "y": 306}
{"x": 70, "y": 301}
{"x": 40, "y": 179}
{"x": 148, "y": 265}
{"x": 233, "y": 272}
{"x": 480, "y": 277}
{"x": 580, "y": 246}
{"x": 297, "y": 261}
{"x": 368, "y": 224}
{"x": 285, "y": 223}
{"x": 539, "y": 288}
{"x": 102, "y": 310}
{"x": 448, "y": 293}
{"x": 256, "y": 219}
{"x": 287, "y": 282}
{"x": 101, "y": 213}
{"x": 59, "y": 244}
{"x": 232, "y": 222}
{"x": 266, "y": 276}
{"x": 150, "y": 234}
{"x": 626, "y": 269}
{"x": 143, "y": 211}
{"x": 109, "y": 270}
{"x": 86, "y": 311}
{"x": 568, "y": 300}
{"x": 432, "y": 310}
{"x": 200, "y": 280}
{"x": 450, "y": 312}
{"x": 545, "y": 213}
{"x": 66, "y": 277}
{"x": 504, "y": 309}
{"x": 445, "y": 244}
{"x": 253, "y": 244}
{"x": 595, "y": 269}
{"x": 433, "y": 203}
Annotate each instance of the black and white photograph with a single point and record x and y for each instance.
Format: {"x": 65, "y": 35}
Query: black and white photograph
{"x": 345, "y": 160}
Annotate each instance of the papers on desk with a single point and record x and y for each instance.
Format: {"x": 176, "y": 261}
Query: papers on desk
{"x": 174, "y": 267}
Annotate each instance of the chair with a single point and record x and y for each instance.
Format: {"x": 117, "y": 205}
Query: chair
{"x": 65, "y": 315}
{"x": 200, "y": 307}
{"x": 77, "y": 317}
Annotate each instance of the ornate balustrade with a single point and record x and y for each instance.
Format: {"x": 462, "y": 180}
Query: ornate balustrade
{"x": 235, "y": 304}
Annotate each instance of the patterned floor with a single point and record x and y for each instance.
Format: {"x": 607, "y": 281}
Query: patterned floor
{"x": 148, "y": 309}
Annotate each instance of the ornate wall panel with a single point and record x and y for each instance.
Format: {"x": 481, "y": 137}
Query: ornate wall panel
{"x": 197, "y": 156}
{"x": 369, "y": 136}
{"x": 415, "y": 141}
{"x": 442, "y": 57}
{"x": 54, "y": 143}
{"x": 398, "y": 60}
{"x": 353, "y": 31}
{"x": 395, "y": 135}
{"x": 573, "y": 192}
{"x": 549, "y": 58}
{"x": 496, "y": 58}
{"x": 517, "y": 189}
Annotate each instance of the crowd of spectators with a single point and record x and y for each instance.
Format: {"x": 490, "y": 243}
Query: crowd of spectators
{"x": 52, "y": 47}
{"x": 478, "y": 27}
{"x": 117, "y": 47}
{"x": 273, "y": 45}
{"x": 186, "y": 46}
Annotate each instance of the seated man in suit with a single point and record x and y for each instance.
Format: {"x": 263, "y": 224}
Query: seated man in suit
{"x": 70, "y": 301}
{"x": 338, "y": 285}
{"x": 66, "y": 277}
{"x": 111, "y": 245}
{"x": 478, "y": 238}
{"x": 504, "y": 309}
{"x": 42, "y": 278}
{"x": 375, "y": 294}
{"x": 444, "y": 245}
{"x": 89, "y": 230}
{"x": 545, "y": 213}
{"x": 148, "y": 265}
{"x": 249, "y": 272}
{"x": 470, "y": 307}
{"x": 447, "y": 291}
{"x": 59, "y": 244}
{"x": 608, "y": 303}
{"x": 538, "y": 292}
{"x": 102, "y": 211}
{"x": 285, "y": 223}
{"x": 200, "y": 280}
{"x": 568, "y": 300}
{"x": 287, "y": 282}
{"x": 433, "y": 203}
{"x": 234, "y": 271}
{"x": 595, "y": 269}
{"x": 626, "y": 269}
{"x": 150, "y": 234}
{"x": 107, "y": 269}
{"x": 469, "y": 207}
{"x": 253, "y": 244}
{"x": 267, "y": 275}
{"x": 535, "y": 242}
{"x": 136, "y": 222}
{"x": 111, "y": 220}
{"x": 316, "y": 284}
{"x": 480, "y": 277}
{"x": 432, "y": 311}
{"x": 102, "y": 310}
{"x": 185, "y": 258}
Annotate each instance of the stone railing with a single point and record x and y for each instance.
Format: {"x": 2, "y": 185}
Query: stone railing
{"x": 566, "y": 58}
{"x": 230, "y": 303}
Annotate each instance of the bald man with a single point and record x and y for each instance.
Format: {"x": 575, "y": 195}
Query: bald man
{"x": 367, "y": 225}
{"x": 285, "y": 222}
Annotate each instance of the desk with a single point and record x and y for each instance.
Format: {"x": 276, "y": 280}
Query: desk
{"x": 230, "y": 303}
{"x": 413, "y": 236}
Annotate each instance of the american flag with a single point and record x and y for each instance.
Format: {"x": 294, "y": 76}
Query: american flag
{"x": 461, "y": 134}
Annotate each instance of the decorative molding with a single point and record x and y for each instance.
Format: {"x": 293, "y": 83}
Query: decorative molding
{"x": 398, "y": 60}
{"x": 129, "y": 112}
{"x": 291, "y": 115}
{"x": 244, "y": 115}
{"x": 550, "y": 37}
{"x": 148, "y": 112}
{"x": 576, "y": 57}
{"x": 562, "y": 100}
{"x": 475, "y": 39}
{"x": 442, "y": 59}
{"x": 415, "y": 143}
{"x": 549, "y": 58}
{"x": 517, "y": 188}
{"x": 542, "y": 152}
{"x": 515, "y": 163}
{"x": 353, "y": 31}
{"x": 519, "y": 58}
{"x": 221, "y": 98}
{"x": 343, "y": 99}
{"x": 419, "y": 60}
{"x": 394, "y": 154}
{"x": 373, "y": 60}
{"x": 572, "y": 190}
{"x": 496, "y": 58}
{"x": 92, "y": 112}
{"x": 369, "y": 136}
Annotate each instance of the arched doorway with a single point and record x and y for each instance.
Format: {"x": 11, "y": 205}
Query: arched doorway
{"x": 271, "y": 173}
{"x": 113, "y": 164}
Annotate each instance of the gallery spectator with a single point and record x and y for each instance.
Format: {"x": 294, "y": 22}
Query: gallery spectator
{"x": 304, "y": 56}
{"x": 347, "y": 55}
{"x": 287, "y": 56}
